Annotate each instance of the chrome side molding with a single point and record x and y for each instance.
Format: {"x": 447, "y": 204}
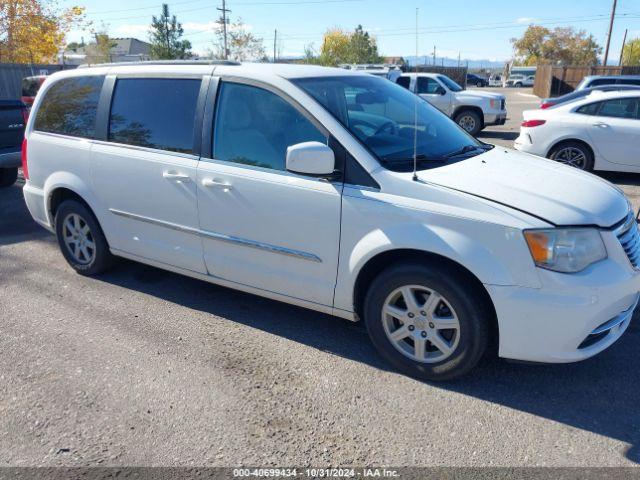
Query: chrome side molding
{"x": 221, "y": 237}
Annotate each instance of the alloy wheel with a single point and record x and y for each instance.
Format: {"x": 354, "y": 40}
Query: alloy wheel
{"x": 421, "y": 324}
{"x": 78, "y": 239}
{"x": 571, "y": 156}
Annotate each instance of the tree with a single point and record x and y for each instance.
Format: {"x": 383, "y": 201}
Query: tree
{"x": 241, "y": 44}
{"x": 34, "y": 31}
{"x": 339, "y": 46}
{"x": 631, "y": 54}
{"x": 100, "y": 51}
{"x": 362, "y": 48}
{"x": 562, "y": 45}
{"x": 165, "y": 36}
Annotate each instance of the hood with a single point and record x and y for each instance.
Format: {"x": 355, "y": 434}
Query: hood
{"x": 553, "y": 192}
{"x": 480, "y": 94}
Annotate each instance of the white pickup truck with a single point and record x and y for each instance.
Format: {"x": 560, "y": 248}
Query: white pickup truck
{"x": 471, "y": 109}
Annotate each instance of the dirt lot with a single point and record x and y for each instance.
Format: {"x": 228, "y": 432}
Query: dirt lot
{"x": 145, "y": 367}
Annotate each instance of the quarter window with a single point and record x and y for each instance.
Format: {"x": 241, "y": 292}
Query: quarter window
{"x": 155, "y": 113}
{"x": 589, "y": 109}
{"x": 70, "y": 106}
{"x": 404, "y": 82}
{"x": 254, "y": 126}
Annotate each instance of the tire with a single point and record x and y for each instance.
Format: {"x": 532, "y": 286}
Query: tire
{"x": 574, "y": 154}
{"x": 8, "y": 176}
{"x": 518, "y": 85}
{"x": 77, "y": 214}
{"x": 460, "y": 300}
{"x": 469, "y": 121}
{"x": 479, "y": 84}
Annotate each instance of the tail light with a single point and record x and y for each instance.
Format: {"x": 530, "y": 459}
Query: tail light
{"x": 546, "y": 105}
{"x": 533, "y": 123}
{"x": 25, "y": 168}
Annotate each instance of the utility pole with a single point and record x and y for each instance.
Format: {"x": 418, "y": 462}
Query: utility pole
{"x": 275, "y": 42}
{"x": 224, "y": 11}
{"x": 624, "y": 42}
{"x": 458, "y": 59}
{"x": 613, "y": 15}
{"x": 434, "y": 55}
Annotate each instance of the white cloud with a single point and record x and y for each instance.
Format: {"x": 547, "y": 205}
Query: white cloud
{"x": 526, "y": 20}
{"x": 136, "y": 30}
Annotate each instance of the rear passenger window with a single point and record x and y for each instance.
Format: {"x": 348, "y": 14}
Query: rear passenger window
{"x": 69, "y": 107}
{"x": 254, "y": 126}
{"x": 155, "y": 113}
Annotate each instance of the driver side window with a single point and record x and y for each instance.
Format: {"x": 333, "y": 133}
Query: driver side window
{"x": 428, "y": 85}
{"x": 254, "y": 126}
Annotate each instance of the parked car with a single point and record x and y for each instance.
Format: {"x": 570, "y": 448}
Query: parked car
{"x": 473, "y": 110}
{"x": 600, "y": 80}
{"x": 598, "y": 132}
{"x": 12, "y": 123}
{"x": 517, "y": 80}
{"x": 495, "y": 80}
{"x": 578, "y": 94}
{"x": 476, "y": 80}
{"x": 336, "y": 191}
{"x": 30, "y": 87}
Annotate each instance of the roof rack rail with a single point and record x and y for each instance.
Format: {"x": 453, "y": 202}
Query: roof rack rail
{"x": 161, "y": 62}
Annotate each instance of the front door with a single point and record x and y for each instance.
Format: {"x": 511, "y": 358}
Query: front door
{"x": 262, "y": 226}
{"x": 145, "y": 174}
{"x": 434, "y": 93}
{"x": 615, "y": 130}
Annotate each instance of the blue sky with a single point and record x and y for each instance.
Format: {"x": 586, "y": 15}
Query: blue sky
{"x": 475, "y": 28}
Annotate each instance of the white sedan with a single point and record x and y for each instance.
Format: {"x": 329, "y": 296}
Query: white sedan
{"x": 598, "y": 132}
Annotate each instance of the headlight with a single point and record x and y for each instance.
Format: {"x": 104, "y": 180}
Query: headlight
{"x": 566, "y": 250}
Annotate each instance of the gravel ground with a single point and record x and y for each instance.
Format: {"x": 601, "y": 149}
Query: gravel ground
{"x": 145, "y": 367}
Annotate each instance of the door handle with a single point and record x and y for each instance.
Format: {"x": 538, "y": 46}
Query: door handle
{"x": 176, "y": 177}
{"x": 601, "y": 124}
{"x": 210, "y": 183}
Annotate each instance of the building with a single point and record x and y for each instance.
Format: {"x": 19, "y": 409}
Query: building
{"x": 123, "y": 50}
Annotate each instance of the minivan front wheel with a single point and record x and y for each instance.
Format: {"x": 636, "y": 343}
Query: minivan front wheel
{"x": 81, "y": 239}
{"x": 428, "y": 321}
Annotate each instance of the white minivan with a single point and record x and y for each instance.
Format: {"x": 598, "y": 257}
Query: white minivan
{"x": 298, "y": 183}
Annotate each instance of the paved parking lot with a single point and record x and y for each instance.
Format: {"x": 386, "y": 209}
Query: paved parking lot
{"x": 141, "y": 366}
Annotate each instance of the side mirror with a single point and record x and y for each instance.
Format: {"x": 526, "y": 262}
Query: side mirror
{"x": 310, "y": 158}
{"x": 440, "y": 91}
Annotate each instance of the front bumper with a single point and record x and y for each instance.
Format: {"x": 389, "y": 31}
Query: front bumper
{"x": 572, "y": 317}
{"x": 495, "y": 118}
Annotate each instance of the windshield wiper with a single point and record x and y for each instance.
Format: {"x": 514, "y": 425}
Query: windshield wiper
{"x": 463, "y": 150}
{"x": 409, "y": 160}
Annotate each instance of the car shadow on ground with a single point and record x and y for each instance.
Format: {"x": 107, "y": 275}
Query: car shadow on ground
{"x": 599, "y": 395}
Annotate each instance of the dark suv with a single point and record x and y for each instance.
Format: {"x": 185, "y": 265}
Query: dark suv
{"x": 476, "y": 81}
{"x": 12, "y": 122}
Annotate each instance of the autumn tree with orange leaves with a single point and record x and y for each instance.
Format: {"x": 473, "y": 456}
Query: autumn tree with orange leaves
{"x": 33, "y": 31}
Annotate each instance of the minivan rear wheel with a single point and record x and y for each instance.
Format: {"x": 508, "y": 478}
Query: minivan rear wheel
{"x": 8, "y": 176}
{"x": 428, "y": 321}
{"x": 81, "y": 239}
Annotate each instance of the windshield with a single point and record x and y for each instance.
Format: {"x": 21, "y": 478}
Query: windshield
{"x": 382, "y": 115}
{"x": 451, "y": 85}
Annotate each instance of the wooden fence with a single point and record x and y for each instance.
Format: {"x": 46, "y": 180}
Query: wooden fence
{"x": 555, "y": 81}
{"x": 11, "y": 75}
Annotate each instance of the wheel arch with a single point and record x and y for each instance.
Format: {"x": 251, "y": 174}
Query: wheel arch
{"x": 571, "y": 140}
{"x": 63, "y": 186}
{"x": 474, "y": 108}
{"x": 382, "y": 260}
